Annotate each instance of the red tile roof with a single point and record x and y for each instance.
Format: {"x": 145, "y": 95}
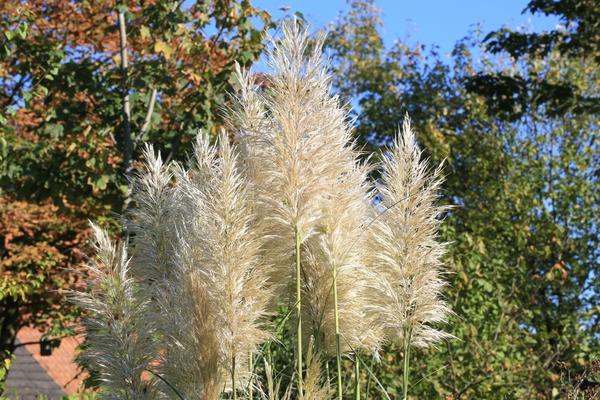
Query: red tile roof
{"x": 59, "y": 366}
{"x": 27, "y": 379}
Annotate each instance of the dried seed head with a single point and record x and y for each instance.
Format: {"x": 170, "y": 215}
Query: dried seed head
{"x": 306, "y": 178}
{"x": 152, "y": 221}
{"x": 404, "y": 250}
{"x": 120, "y": 339}
{"x": 219, "y": 298}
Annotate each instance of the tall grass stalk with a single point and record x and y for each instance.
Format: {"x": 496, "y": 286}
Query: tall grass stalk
{"x": 405, "y": 253}
{"x": 233, "y": 379}
{"x": 356, "y": 378}
{"x": 299, "y": 368}
{"x": 251, "y": 381}
{"x": 338, "y": 348}
{"x": 368, "y": 388}
{"x": 406, "y": 368}
{"x": 369, "y": 370}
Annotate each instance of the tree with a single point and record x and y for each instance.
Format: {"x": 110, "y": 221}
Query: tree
{"x": 62, "y": 132}
{"x": 515, "y": 94}
{"x": 524, "y": 245}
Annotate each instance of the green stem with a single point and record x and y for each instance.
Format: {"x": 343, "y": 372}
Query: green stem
{"x": 356, "y": 378}
{"x": 368, "y": 389}
{"x": 377, "y": 381}
{"x": 299, "y": 314}
{"x": 269, "y": 353}
{"x": 251, "y": 367}
{"x": 167, "y": 383}
{"x": 338, "y": 349}
{"x": 233, "y": 389}
{"x": 407, "y": 337}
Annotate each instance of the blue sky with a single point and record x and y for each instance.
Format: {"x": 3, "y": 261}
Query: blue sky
{"x": 431, "y": 22}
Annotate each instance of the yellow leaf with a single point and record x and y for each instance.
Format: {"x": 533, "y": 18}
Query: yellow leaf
{"x": 464, "y": 276}
{"x": 181, "y": 29}
{"x": 144, "y": 32}
{"x": 162, "y": 47}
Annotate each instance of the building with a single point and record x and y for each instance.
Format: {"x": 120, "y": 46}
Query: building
{"x": 33, "y": 374}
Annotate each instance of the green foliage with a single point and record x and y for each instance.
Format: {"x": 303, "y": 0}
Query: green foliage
{"x": 62, "y": 99}
{"x": 5, "y": 361}
{"x": 524, "y": 178}
{"x": 522, "y": 93}
{"x": 84, "y": 396}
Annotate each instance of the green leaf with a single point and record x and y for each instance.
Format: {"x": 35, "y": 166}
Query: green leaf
{"x": 102, "y": 182}
{"x": 22, "y": 30}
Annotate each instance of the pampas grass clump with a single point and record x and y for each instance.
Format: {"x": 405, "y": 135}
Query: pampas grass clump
{"x": 282, "y": 217}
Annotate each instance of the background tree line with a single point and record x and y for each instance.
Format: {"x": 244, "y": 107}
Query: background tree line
{"x": 514, "y": 114}
{"x": 518, "y": 129}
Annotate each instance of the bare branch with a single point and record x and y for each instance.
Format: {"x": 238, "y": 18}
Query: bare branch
{"x": 147, "y": 118}
{"x": 127, "y": 140}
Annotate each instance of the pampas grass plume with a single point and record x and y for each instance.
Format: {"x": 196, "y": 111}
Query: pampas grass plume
{"x": 219, "y": 300}
{"x": 405, "y": 253}
{"x": 152, "y": 221}
{"x": 119, "y": 337}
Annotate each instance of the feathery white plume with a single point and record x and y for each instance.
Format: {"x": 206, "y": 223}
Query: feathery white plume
{"x": 404, "y": 250}
{"x": 218, "y": 301}
{"x": 338, "y": 248}
{"x": 311, "y": 193}
{"x": 152, "y": 220}
{"x": 290, "y": 146}
{"x": 314, "y": 387}
{"x": 117, "y": 334}
{"x": 306, "y": 177}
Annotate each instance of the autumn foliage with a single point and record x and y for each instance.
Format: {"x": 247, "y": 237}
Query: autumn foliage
{"x": 39, "y": 248}
{"x": 62, "y": 140}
